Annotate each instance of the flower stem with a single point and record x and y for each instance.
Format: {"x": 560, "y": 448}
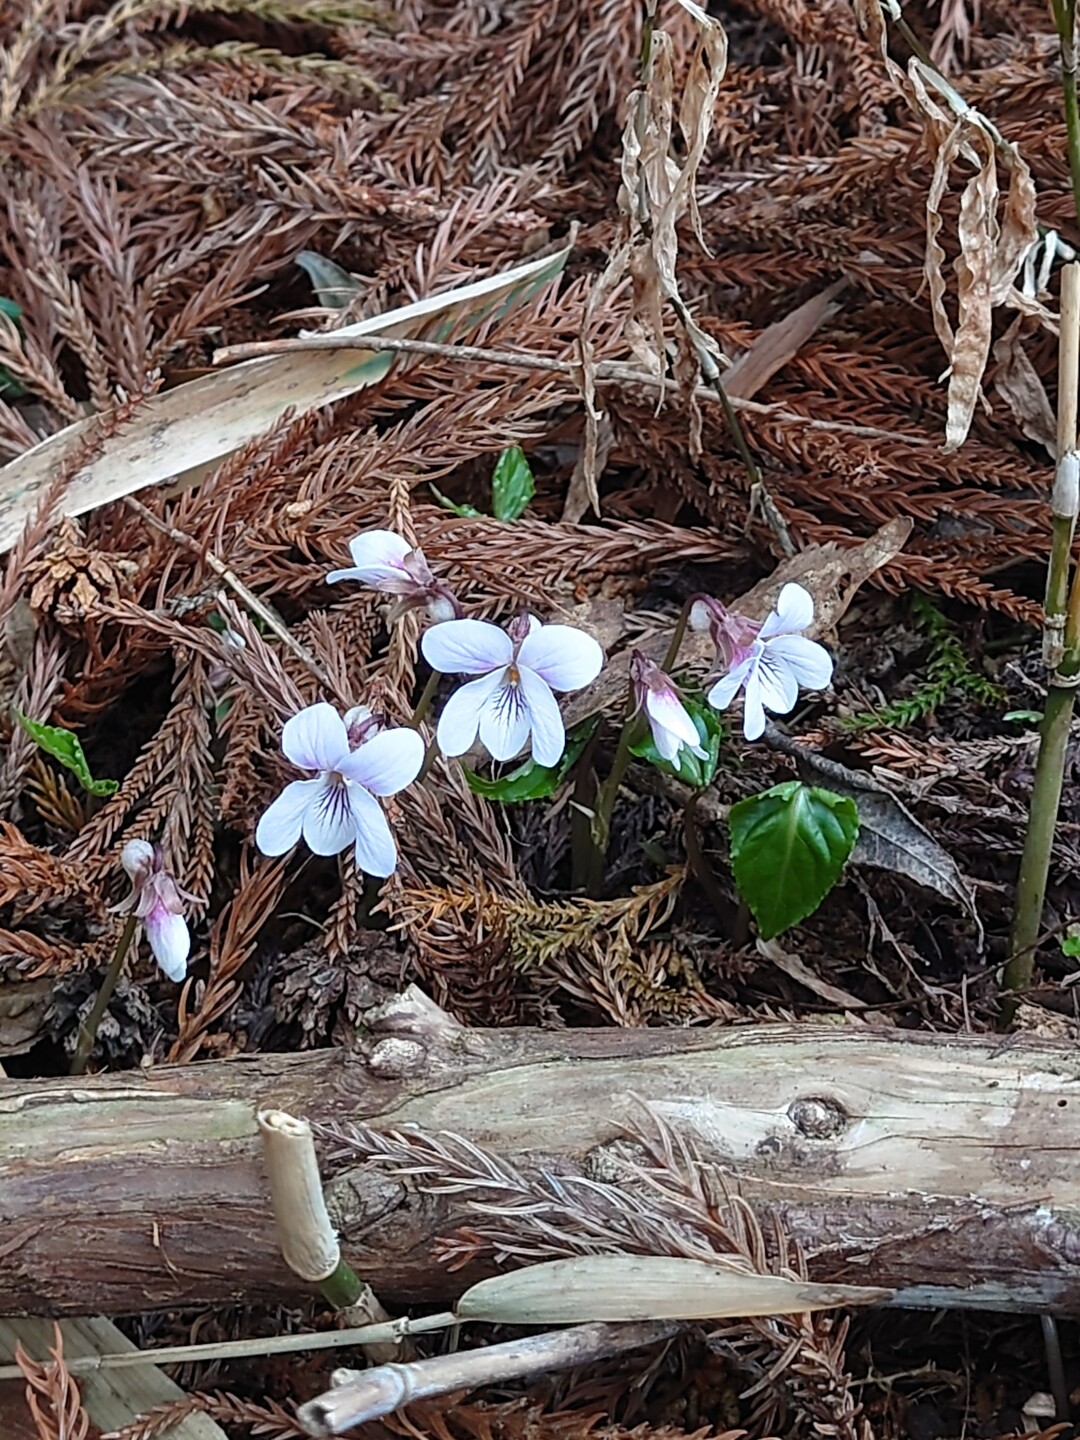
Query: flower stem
{"x": 1061, "y": 650}
{"x": 600, "y": 829}
{"x": 89, "y": 1028}
{"x": 672, "y": 652}
{"x": 427, "y": 695}
{"x": 695, "y": 854}
{"x": 1064, "y": 12}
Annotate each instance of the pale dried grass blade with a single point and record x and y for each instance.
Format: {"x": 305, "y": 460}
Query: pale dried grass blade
{"x": 182, "y": 431}
{"x": 647, "y": 1287}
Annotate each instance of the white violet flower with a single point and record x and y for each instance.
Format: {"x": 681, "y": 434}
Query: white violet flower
{"x": 768, "y": 661}
{"x": 518, "y": 669}
{"x": 158, "y": 902}
{"x": 338, "y": 807}
{"x": 385, "y": 561}
{"x": 669, "y": 720}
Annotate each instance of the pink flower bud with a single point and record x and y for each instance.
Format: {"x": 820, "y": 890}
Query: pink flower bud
{"x": 158, "y": 902}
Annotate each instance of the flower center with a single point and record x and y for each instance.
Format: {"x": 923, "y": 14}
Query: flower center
{"x": 513, "y": 675}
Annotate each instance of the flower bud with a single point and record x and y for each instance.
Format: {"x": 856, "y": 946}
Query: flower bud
{"x": 137, "y": 858}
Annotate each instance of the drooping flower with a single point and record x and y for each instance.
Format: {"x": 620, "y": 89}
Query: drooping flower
{"x": 518, "y": 670}
{"x": 768, "y": 661}
{"x": 669, "y": 720}
{"x": 158, "y": 902}
{"x": 338, "y": 807}
{"x": 385, "y": 561}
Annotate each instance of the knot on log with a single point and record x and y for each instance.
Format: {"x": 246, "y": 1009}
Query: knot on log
{"x": 396, "y": 1057}
{"x": 817, "y": 1117}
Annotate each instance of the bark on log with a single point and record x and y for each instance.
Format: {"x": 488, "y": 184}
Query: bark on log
{"x": 944, "y": 1166}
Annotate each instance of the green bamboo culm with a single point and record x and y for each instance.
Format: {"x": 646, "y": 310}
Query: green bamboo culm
{"x": 1061, "y": 654}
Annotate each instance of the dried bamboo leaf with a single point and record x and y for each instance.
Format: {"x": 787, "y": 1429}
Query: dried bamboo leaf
{"x": 179, "y": 432}
{"x": 646, "y": 1287}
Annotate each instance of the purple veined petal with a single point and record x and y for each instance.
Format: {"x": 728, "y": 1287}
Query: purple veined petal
{"x": 665, "y": 707}
{"x": 778, "y": 687}
{"x": 565, "y": 657}
{"x": 376, "y": 852}
{"x": 387, "y": 762}
{"x": 810, "y": 663}
{"x": 281, "y": 825}
{"x": 753, "y": 720}
{"x": 169, "y": 940}
{"x": 315, "y": 738}
{"x": 460, "y": 718}
{"x": 794, "y": 612}
{"x": 466, "y": 647}
{"x": 729, "y": 685}
{"x": 545, "y": 721}
{"x": 329, "y": 825}
{"x": 505, "y": 722}
{"x": 377, "y": 557}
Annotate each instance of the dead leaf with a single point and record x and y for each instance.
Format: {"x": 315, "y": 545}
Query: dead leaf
{"x": 1018, "y": 384}
{"x": 647, "y": 1287}
{"x": 779, "y": 342}
{"x": 796, "y": 969}
{"x": 182, "y": 431}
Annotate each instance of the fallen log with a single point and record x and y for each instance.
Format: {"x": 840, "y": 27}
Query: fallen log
{"x": 945, "y": 1167}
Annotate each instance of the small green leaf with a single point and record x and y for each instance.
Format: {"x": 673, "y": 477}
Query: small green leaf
{"x": 512, "y": 485}
{"x": 10, "y": 388}
{"x": 691, "y": 769}
{"x": 468, "y": 512}
{"x": 788, "y": 847}
{"x": 530, "y": 781}
{"x": 1070, "y": 942}
{"x": 62, "y": 745}
{"x": 1024, "y": 717}
{"x": 334, "y": 287}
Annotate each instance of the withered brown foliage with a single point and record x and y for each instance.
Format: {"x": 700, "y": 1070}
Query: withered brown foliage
{"x": 165, "y": 165}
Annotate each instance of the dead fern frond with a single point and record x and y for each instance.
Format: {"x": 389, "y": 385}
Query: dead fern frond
{"x": 52, "y": 1395}
{"x": 268, "y": 1419}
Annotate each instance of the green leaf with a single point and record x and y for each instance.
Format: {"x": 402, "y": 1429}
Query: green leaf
{"x": 62, "y": 745}
{"x": 1024, "y": 717}
{"x": 469, "y": 512}
{"x": 531, "y": 781}
{"x": 788, "y": 847}
{"x": 1070, "y": 942}
{"x": 512, "y": 485}
{"x": 691, "y": 769}
{"x": 334, "y": 287}
{"x": 10, "y": 388}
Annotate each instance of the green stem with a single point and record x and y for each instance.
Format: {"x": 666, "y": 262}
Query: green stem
{"x": 600, "y": 829}
{"x": 343, "y": 1288}
{"x": 89, "y": 1028}
{"x": 582, "y": 849}
{"x": 1064, "y": 12}
{"x": 699, "y": 862}
{"x": 1038, "y": 843}
{"x": 427, "y": 695}
{"x": 672, "y": 652}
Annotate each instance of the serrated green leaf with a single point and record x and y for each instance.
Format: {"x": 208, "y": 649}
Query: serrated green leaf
{"x": 512, "y": 485}
{"x": 691, "y": 769}
{"x": 788, "y": 847}
{"x": 63, "y": 746}
{"x": 530, "y": 781}
{"x": 468, "y": 512}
